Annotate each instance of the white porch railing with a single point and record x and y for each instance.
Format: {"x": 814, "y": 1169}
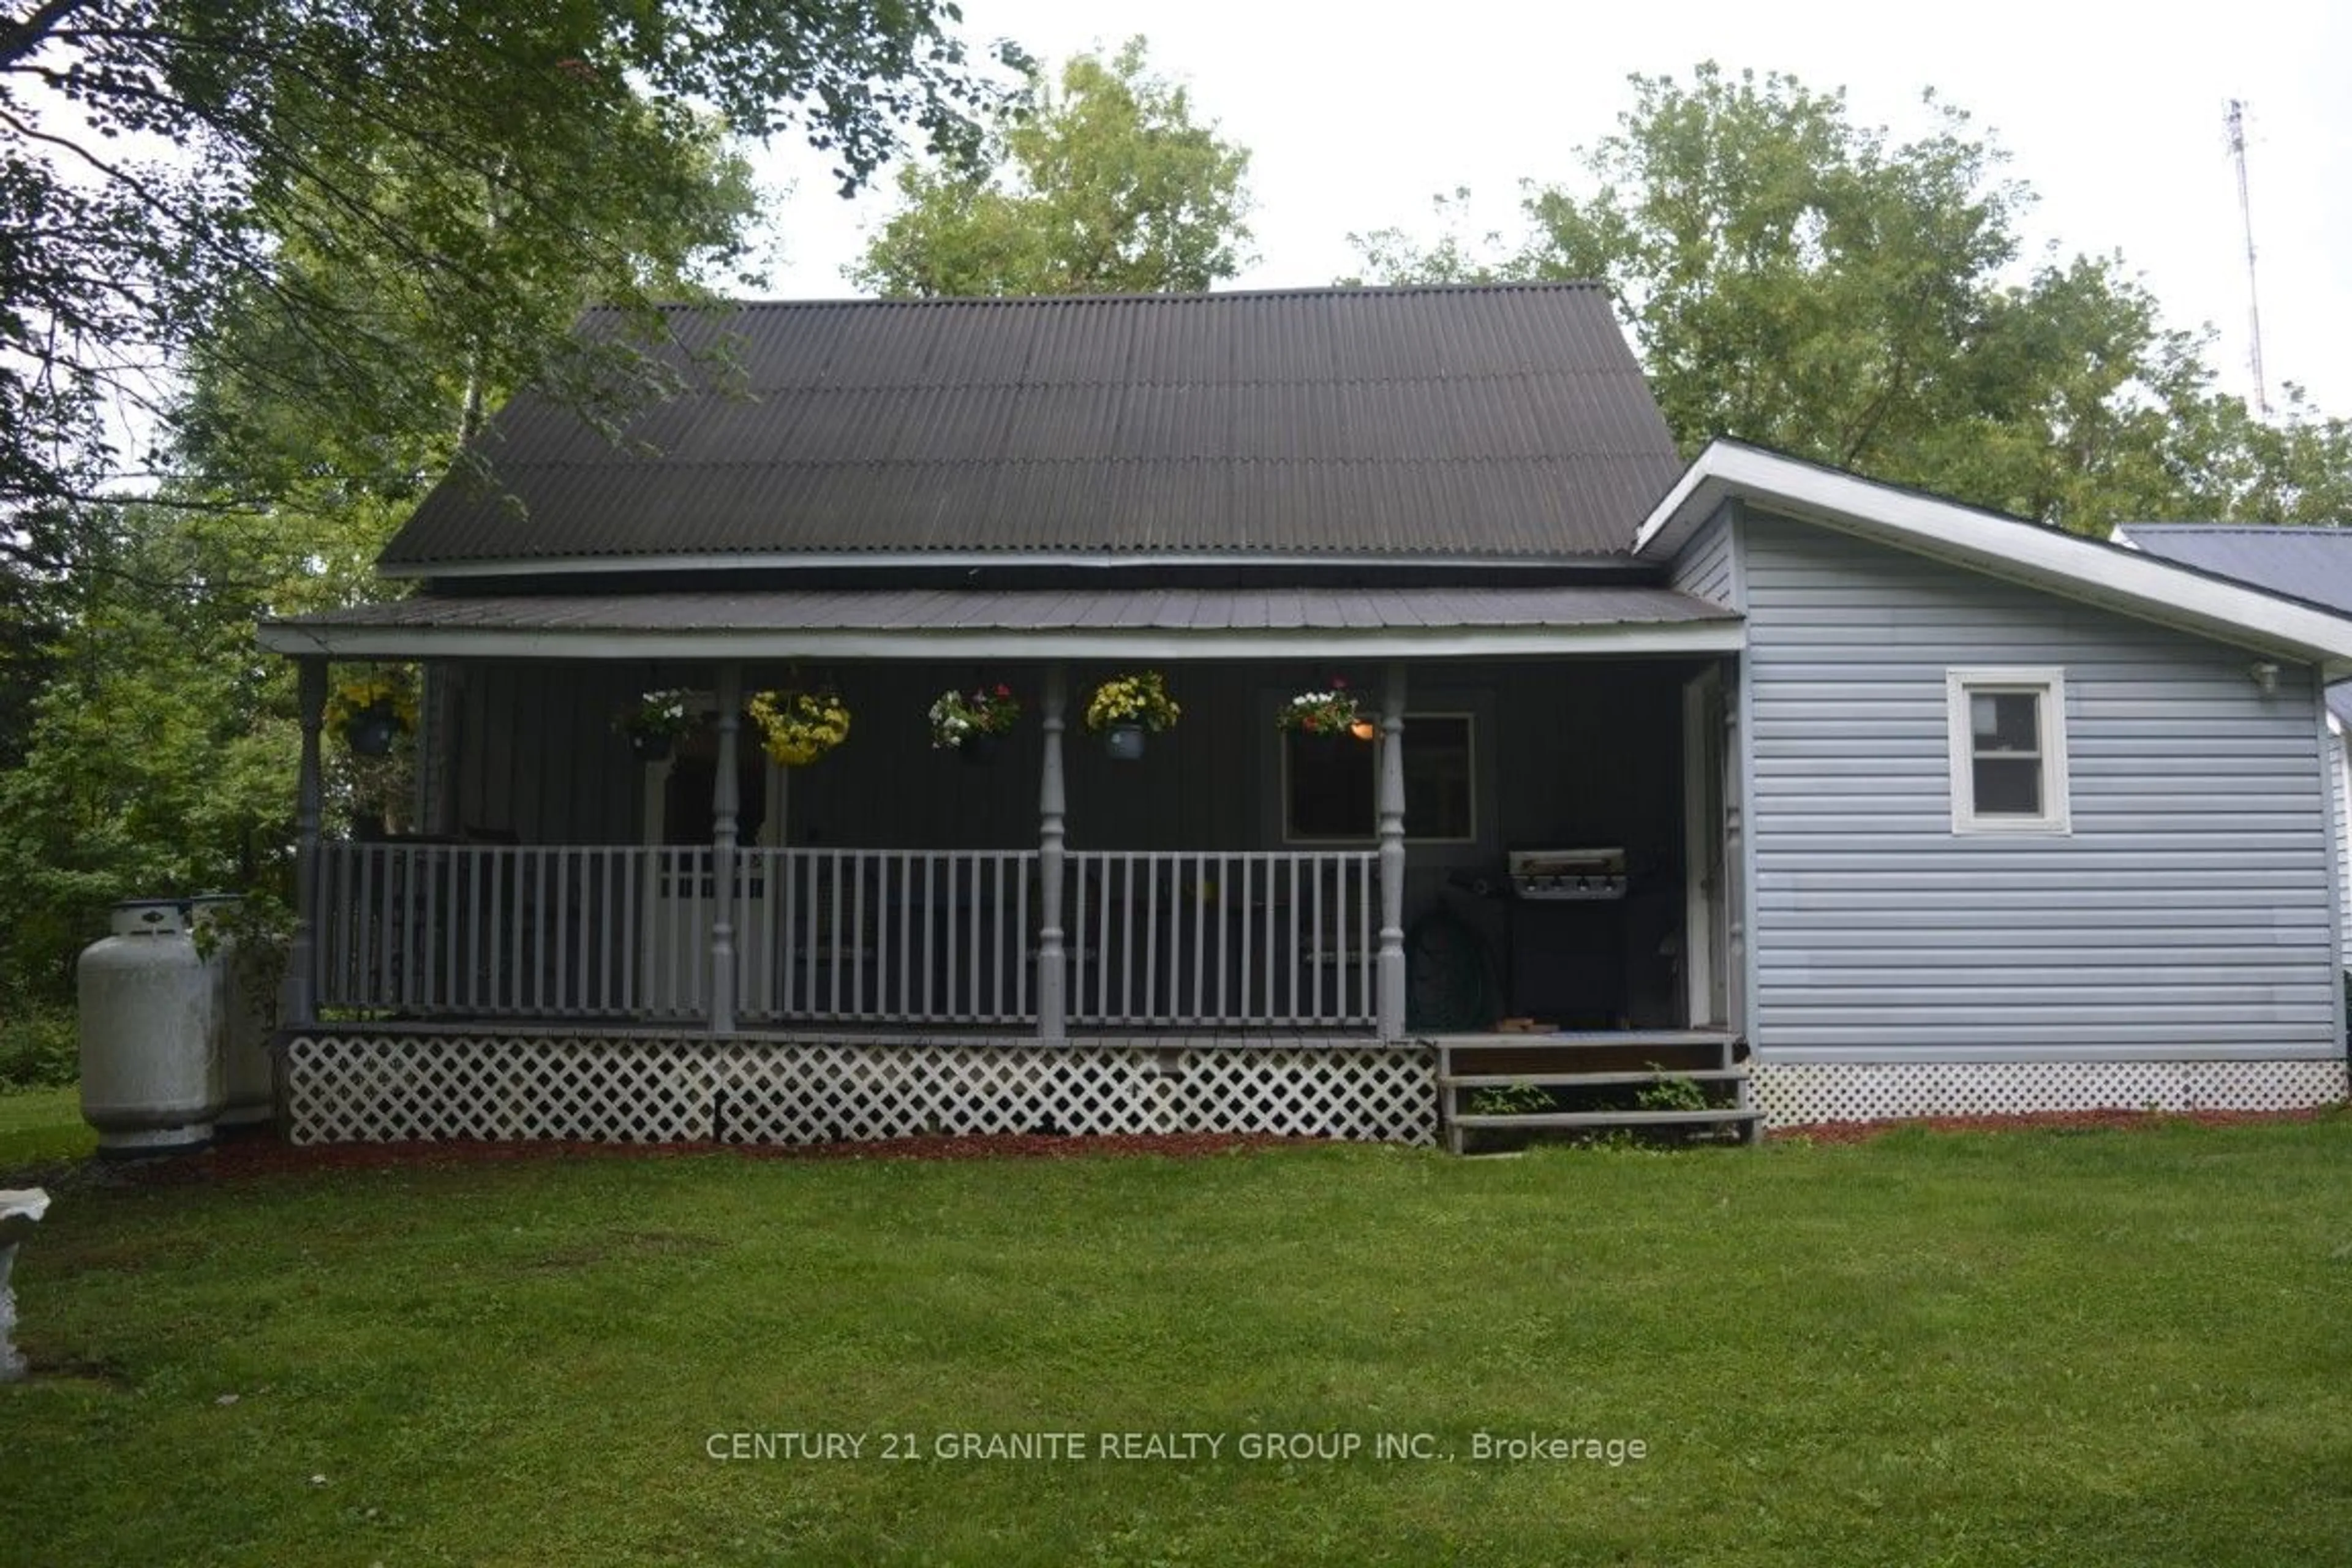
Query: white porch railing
{"x": 491, "y": 930}
{"x": 1227, "y": 937}
{"x": 886, "y": 935}
{"x": 570, "y": 931}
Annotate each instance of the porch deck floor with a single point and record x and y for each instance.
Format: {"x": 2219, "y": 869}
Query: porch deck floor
{"x": 1169, "y": 1038}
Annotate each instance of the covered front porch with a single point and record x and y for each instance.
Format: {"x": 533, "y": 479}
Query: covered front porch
{"x": 1242, "y": 904}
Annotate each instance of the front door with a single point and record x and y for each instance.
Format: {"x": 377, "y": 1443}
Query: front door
{"x": 678, "y": 826}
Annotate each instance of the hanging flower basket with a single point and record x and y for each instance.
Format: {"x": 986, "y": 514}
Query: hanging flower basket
{"x": 371, "y": 711}
{"x": 969, "y": 722}
{"x": 655, "y": 721}
{"x": 372, "y": 733}
{"x": 796, "y": 728}
{"x": 1127, "y": 707}
{"x": 1334, "y": 714}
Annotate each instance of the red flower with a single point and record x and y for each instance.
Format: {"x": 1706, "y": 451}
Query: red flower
{"x": 1339, "y": 683}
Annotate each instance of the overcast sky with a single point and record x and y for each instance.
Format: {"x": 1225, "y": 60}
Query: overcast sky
{"x": 2114, "y": 113}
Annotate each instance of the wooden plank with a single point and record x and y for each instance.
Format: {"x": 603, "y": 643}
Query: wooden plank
{"x": 1586, "y": 1080}
{"x": 1714, "y": 1116}
{"x": 1598, "y": 1039}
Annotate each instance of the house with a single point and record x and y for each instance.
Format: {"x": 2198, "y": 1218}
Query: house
{"x": 1844, "y": 800}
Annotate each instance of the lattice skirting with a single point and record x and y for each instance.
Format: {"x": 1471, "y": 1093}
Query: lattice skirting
{"x": 1793, "y": 1094}
{"x": 370, "y": 1088}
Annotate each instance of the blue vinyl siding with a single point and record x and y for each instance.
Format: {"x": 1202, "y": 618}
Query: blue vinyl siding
{"x": 1704, "y": 567}
{"x": 2338, "y": 808}
{"x": 2188, "y": 913}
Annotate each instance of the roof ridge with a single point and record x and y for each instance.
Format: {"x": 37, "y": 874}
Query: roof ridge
{"x": 1212, "y": 296}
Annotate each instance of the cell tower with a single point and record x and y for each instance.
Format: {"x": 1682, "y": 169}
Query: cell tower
{"x": 2237, "y": 127}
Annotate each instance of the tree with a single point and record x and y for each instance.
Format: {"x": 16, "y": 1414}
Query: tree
{"x": 157, "y": 753}
{"x": 1106, "y": 187}
{"x": 1794, "y": 281}
{"x": 467, "y": 148}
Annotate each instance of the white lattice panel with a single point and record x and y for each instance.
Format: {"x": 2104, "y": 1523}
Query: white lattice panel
{"x": 360, "y": 1087}
{"x": 821, "y": 1093}
{"x": 1372, "y": 1096}
{"x": 1793, "y": 1094}
{"x": 392, "y": 1088}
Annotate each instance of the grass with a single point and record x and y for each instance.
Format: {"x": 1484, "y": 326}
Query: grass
{"x": 41, "y": 1125}
{"x": 2030, "y": 1348}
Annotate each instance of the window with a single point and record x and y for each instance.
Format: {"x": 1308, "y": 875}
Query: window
{"x": 2008, "y": 737}
{"x": 1330, "y": 788}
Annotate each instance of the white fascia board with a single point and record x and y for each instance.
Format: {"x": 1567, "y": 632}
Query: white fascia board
{"x": 633, "y": 565}
{"x": 2131, "y": 581}
{"x": 351, "y": 642}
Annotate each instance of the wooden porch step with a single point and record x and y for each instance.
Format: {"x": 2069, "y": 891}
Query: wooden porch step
{"x": 1617, "y": 1039}
{"x": 1589, "y": 1080}
{"x": 1720, "y": 1115}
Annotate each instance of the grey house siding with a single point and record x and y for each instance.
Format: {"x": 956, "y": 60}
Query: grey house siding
{"x": 2188, "y": 914}
{"x": 1705, "y": 568}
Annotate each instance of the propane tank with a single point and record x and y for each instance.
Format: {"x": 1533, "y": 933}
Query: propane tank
{"x": 151, "y": 1064}
{"x": 241, "y": 1017}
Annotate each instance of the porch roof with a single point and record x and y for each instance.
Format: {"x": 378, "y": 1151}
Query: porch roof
{"x": 1076, "y": 622}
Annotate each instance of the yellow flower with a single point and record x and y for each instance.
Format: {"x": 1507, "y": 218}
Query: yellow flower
{"x": 369, "y": 695}
{"x": 796, "y": 728}
{"x": 1140, "y": 700}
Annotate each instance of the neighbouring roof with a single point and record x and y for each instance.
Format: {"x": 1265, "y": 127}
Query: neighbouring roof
{"x": 2313, "y": 564}
{"x": 1018, "y": 623}
{"x": 1480, "y": 423}
{"x": 2086, "y": 570}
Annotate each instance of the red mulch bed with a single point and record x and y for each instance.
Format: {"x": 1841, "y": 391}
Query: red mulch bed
{"x": 1862, "y": 1132}
{"x": 260, "y": 1154}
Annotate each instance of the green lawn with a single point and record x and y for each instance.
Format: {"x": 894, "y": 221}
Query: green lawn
{"x": 2031, "y": 1348}
{"x": 38, "y": 1125}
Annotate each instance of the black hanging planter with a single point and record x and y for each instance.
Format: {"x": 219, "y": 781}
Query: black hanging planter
{"x": 371, "y": 734}
{"x": 1124, "y": 742}
{"x": 1323, "y": 743}
{"x": 977, "y": 750}
{"x": 650, "y": 746}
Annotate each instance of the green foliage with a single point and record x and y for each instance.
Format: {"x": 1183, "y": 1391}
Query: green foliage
{"x": 369, "y": 173}
{"x": 1670, "y": 1094}
{"x": 1509, "y": 1099}
{"x": 1106, "y": 187}
{"x": 387, "y": 279}
{"x": 1795, "y": 280}
{"x": 40, "y": 1045}
{"x": 160, "y": 758}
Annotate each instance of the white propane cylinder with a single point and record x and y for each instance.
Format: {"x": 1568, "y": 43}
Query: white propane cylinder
{"x": 240, "y": 1018}
{"x": 151, "y": 1066}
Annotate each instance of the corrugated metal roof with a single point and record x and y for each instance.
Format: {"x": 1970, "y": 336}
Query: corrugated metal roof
{"x": 2313, "y": 564}
{"x": 1038, "y": 610}
{"x": 1487, "y": 421}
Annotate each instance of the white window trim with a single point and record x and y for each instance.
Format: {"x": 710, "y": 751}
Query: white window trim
{"x": 2046, "y": 681}
{"x": 1282, "y": 785}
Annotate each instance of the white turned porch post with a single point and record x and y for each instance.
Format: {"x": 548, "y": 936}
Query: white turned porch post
{"x": 724, "y": 806}
{"x": 1053, "y": 962}
{"x": 1391, "y": 814}
{"x": 298, "y": 996}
